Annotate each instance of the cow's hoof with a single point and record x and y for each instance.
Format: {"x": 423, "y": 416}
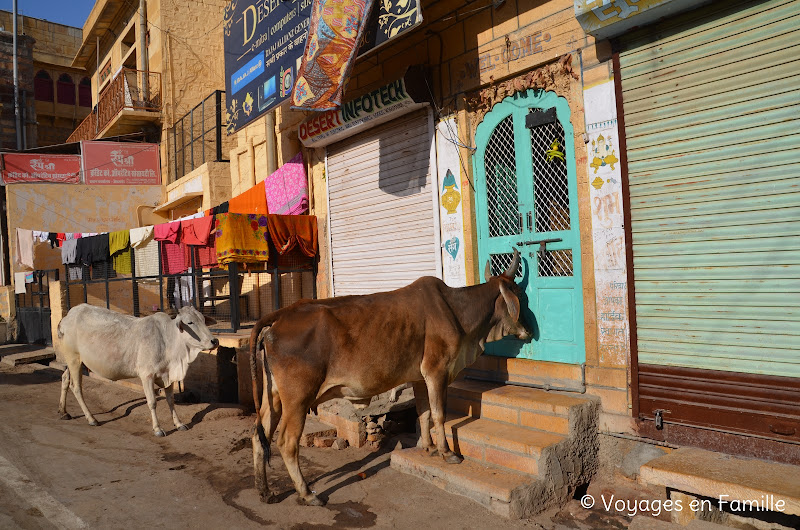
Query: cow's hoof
{"x": 159, "y": 433}
{"x": 432, "y": 451}
{"x": 452, "y": 458}
{"x": 183, "y": 428}
{"x": 66, "y": 416}
{"x": 311, "y": 500}
{"x": 93, "y": 423}
{"x": 268, "y": 498}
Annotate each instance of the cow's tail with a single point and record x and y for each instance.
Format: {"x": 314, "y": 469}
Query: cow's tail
{"x": 258, "y": 350}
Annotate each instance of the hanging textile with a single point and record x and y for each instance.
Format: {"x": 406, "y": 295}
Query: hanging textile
{"x": 196, "y": 231}
{"x": 69, "y": 255}
{"x": 118, "y": 247}
{"x": 334, "y": 33}
{"x": 25, "y": 247}
{"x": 174, "y": 257}
{"x": 253, "y": 200}
{"x": 53, "y": 238}
{"x": 287, "y": 188}
{"x": 19, "y": 283}
{"x": 220, "y": 208}
{"x": 167, "y": 231}
{"x": 289, "y": 231}
{"x": 207, "y": 254}
{"x": 241, "y": 238}
{"x": 145, "y": 251}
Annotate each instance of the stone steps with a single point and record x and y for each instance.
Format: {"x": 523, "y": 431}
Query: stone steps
{"x": 16, "y": 354}
{"x": 525, "y": 449}
{"x": 495, "y": 443}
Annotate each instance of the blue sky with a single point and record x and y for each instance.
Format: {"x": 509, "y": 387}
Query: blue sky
{"x": 68, "y": 12}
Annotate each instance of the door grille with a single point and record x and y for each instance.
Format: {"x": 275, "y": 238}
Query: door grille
{"x": 550, "y": 185}
{"x": 498, "y": 263}
{"x": 555, "y": 263}
{"x": 501, "y": 181}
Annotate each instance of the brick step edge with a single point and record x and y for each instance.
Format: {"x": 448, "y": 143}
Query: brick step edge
{"x": 491, "y": 487}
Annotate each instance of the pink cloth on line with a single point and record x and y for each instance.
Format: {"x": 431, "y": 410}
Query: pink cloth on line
{"x": 287, "y": 188}
{"x": 195, "y": 231}
{"x": 167, "y": 231}
{"x": 207, "y": 255}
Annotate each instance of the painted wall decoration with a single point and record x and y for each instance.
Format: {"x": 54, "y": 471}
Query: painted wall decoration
{"x": 608, "y": 234}
{"x": 23, "y": 167}
{"x": 451, "y": 218}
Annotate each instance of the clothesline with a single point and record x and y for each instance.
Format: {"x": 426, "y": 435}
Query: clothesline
{"x": 218, "y": 241}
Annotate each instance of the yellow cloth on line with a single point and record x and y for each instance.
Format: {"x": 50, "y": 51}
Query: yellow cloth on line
{"x": 118, "y": 243}
{"x": 241, "y": 238}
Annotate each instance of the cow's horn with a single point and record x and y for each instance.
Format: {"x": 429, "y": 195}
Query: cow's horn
{"x": 487, "y": 272}
{"x": 512, "y": 269}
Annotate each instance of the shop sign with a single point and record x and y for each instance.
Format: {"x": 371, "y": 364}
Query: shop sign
{"x": 373, "y": 108}
{"x": 24, "y": 167}
{"x": 264, "y": 44}
{"x": 120, "y": 163}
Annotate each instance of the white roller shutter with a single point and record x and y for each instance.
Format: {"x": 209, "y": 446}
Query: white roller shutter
{"x": 383, "y": 210}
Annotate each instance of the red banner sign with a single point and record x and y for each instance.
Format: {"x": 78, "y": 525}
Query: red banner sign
{"x": 122, "y": 163}
{"x": 19, "y": 167}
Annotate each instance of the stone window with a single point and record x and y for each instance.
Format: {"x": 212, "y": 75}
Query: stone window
{"x": 66, "y": 89}
{"x": 85, "y": 92}
{"x": 43, "y": 86}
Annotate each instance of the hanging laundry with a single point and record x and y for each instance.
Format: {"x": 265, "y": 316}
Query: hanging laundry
{"x": 73, "y": 236}
{"x": 207, "y": 254}
{"x": 167, "y": 231}
{"x": 145, "y": 251}
{"x": 195, "y": 231}
{"x": 24, "y": 249}
{"x": 289, "y": 231}
{"x": 253, "y": 200}
{"x": 19, "y": 283}
{"x": 60, "y": 237}
{"x": 39, "y": 236}
{"x": 287, "y": 188}
{"x": 241, "y": 238}
{"x": 118, "y": 247}
{"x": 69, "y": 252}
{"x": 175, "y": 257}
{"x": 53, "y": 238}
{"x": 221, "y": 208}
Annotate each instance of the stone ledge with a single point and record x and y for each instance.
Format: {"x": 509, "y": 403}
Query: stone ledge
{"x": 710, "y": 474}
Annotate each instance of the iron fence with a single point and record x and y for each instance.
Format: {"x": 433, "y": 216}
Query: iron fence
{"x": 235, "y": 297}
{"x": 33, "y": 308}
{"x": 197, "y": 137}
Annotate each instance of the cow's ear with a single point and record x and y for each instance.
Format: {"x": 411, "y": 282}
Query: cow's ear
{"x": 512, "y": 302}
{"x": 209, "y": 321}
{"x": 487, "y": 272}
{"x": 179, "y": 323}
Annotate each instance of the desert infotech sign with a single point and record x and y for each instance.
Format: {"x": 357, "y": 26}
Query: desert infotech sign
{"x": 121, "y": 163}
{"x": 63, "y": 169}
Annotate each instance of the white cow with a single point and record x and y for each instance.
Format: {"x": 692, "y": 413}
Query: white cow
{"x": 156, "y": 348}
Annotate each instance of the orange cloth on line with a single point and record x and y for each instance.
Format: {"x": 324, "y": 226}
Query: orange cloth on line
{"x": 253, "y": 200}
{"x": 288, "y": 231}
{"x": 241, "y": 238}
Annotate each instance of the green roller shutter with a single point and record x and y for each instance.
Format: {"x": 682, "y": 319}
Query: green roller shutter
{"x": 712, "y": 121}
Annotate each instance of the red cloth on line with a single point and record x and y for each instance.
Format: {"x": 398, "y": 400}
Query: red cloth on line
{"x": 289, "y": 231}
{"x": 207, "y": 254}
{"x": 174, "y": 257}
{"x": 195, "y": 231}
{"x": 167, "y": 231}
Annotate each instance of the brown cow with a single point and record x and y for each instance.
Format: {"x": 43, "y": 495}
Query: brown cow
{"x": 356, "y": 347}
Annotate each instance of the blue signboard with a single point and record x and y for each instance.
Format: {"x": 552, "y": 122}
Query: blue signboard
{"x": 264, "y": 44}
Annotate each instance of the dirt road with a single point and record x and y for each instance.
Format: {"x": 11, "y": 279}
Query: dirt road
{"x": 56, "y": 473}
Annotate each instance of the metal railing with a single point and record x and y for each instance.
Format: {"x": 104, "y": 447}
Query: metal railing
{"x": 129, "y": 90}
{"x": 33, "y": 308}
{"x": 235, "y": 297}
{"x": 196, "y": 138}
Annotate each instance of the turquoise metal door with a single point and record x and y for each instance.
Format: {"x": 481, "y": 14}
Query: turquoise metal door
{"x": 526, "y": 197}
